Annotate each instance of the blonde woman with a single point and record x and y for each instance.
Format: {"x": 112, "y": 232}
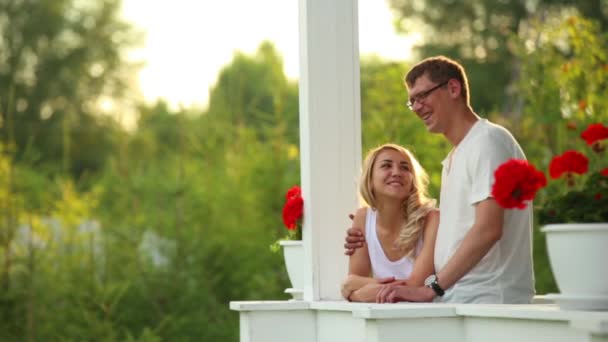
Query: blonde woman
{"x": 400, "y": 225}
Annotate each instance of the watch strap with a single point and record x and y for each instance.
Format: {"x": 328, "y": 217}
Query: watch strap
{"x": 438, "y": 290}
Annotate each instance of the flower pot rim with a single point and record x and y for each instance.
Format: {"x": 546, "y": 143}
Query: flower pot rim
{"x": 290, "y": 242}
{"x": 569, "y": 227}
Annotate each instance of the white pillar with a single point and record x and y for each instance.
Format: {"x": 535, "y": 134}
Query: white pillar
{"x": 330, "y": 137}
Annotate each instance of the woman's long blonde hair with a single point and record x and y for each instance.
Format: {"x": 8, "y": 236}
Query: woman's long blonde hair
{"x": 415, "y": 207}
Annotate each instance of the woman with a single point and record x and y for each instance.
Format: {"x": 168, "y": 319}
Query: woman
{"x": 400, "y": 225}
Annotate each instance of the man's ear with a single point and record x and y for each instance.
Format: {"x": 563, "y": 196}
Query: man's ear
{"x": 454, "y": 88}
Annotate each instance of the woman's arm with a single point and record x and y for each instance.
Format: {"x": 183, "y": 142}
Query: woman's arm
{"x": 367, "y": 293}
{"x": 359, "y": 265}
{"x": 425, "y": 264}
{"x": 362, "y": 289}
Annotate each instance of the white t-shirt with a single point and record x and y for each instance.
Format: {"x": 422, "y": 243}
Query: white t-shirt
{"x": 505, "y": 274}
{"x": 382, "y": 267}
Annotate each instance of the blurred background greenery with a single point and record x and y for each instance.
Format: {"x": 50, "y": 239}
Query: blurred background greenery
{"x": 146, "y": 233}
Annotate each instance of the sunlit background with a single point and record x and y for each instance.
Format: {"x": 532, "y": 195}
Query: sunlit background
{"x": 187, "y": 42}
{"x": 136, "y": 202}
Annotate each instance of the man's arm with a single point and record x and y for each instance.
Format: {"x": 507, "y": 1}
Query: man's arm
{"x": 486, "y": 231}
{"x": 355, "y": 238}
{"x": 424, "y": 264}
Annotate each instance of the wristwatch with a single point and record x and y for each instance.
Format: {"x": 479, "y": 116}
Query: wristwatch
{"x": 432, "y": 282}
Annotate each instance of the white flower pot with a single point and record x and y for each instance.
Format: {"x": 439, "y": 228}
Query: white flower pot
{"x": 293, "y": 252}
{"x": 578, "y": 253}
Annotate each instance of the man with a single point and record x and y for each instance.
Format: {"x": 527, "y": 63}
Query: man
{"x": 483, "y": 253}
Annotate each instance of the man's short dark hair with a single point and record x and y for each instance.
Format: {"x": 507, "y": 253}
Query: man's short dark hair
{"x": 440, "y": 69}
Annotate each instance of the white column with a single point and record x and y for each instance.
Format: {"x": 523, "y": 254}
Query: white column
{"x": 330, "y": 137}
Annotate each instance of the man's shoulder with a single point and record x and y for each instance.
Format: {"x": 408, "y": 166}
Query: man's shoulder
{"x": 490, "y": 129}
{"x": 491, "y": 145}
{"x": 491, "y": 134}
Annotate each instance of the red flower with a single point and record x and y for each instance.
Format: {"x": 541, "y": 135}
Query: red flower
{"x": 604, "y": 172}
{"x": 598, "y": 196}
{"x": 292, "y": 212}
{"x": 516, "y": 181}
{"x": 582, "y": 104}
{"x": 294, "y": 191}
{"x": 571, "y": 125}
{"x": 570, "y": 161}
{"x": 293, "y": 208}
{"x": 594, "y": 133}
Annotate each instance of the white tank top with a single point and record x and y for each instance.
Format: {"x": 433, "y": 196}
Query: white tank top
{"x": 382, "y": 267}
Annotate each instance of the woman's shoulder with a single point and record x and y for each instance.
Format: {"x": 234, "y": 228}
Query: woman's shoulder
{"x": 360, "y": 219}
{"x": 361, "y": 213}
{"x": 432, "y": 214}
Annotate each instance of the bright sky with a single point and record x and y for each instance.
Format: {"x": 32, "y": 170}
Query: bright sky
{"x": 189, "y": 41}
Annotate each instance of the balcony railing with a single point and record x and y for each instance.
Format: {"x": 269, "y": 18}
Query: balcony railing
{"x": 333, "y": 321}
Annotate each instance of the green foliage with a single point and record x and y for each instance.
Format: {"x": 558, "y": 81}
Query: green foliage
{"x": 254, "y": 92}
{"x": 146, "y": 235}
{"x": 587, "y": 204}
{"x": 563, "y": 74}
{"x": 477, "y": 32}
{"x": 59, "y": 59}
{"x": 474, "y": 32}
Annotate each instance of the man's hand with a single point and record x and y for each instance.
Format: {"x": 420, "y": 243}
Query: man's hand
{"x": 387, "y": 280}
{"x": 392, "y": 293}
{"x": 354, "y": 239}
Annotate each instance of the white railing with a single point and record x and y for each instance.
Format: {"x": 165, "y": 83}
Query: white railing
{"x": 322, "y": 321}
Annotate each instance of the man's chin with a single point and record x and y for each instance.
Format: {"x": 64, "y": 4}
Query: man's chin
{"x": 432, "y": 129}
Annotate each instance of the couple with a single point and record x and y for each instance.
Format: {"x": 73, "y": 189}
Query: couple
{"x": 470, "y": 250}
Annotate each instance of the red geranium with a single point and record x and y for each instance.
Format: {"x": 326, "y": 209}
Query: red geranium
{"x": 595, "y": 133}
{"x": 582, "y": 104}
{"x": 569, "y": 162}
{"x": 583, "y": 199}
{"x": 293, "y": 208}
{"x": 516, "y": 181}
{"x": 294, "y": 191}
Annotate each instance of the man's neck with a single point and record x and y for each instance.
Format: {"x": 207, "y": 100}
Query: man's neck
{"x": 463, "y": 120}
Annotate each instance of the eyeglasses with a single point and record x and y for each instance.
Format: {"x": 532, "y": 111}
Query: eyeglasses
{"x": 422, "y": 95}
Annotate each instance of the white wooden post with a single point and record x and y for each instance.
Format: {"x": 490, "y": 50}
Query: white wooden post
{"x": 330, "y": 138}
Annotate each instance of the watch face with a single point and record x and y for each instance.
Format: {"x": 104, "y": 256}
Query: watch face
{"x": 429, "y": 280}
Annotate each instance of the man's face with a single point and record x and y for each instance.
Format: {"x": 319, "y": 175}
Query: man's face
{"x": 428, "y": 100}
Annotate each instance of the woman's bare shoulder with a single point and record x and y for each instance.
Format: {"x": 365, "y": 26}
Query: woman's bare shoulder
{"x": 361, "y": 211}
{"x": 360, "y": 215}
{"x": 432, "y": 215}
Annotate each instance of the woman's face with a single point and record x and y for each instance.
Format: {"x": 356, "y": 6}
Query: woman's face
{"x": 391, "y": 175}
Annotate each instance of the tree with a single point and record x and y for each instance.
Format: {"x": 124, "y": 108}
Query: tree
{"x": 58, "y": 60}
{"x": 476, "y": 33}
{"x": 254, "y": 92}
{"x": 206, "y": 189}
